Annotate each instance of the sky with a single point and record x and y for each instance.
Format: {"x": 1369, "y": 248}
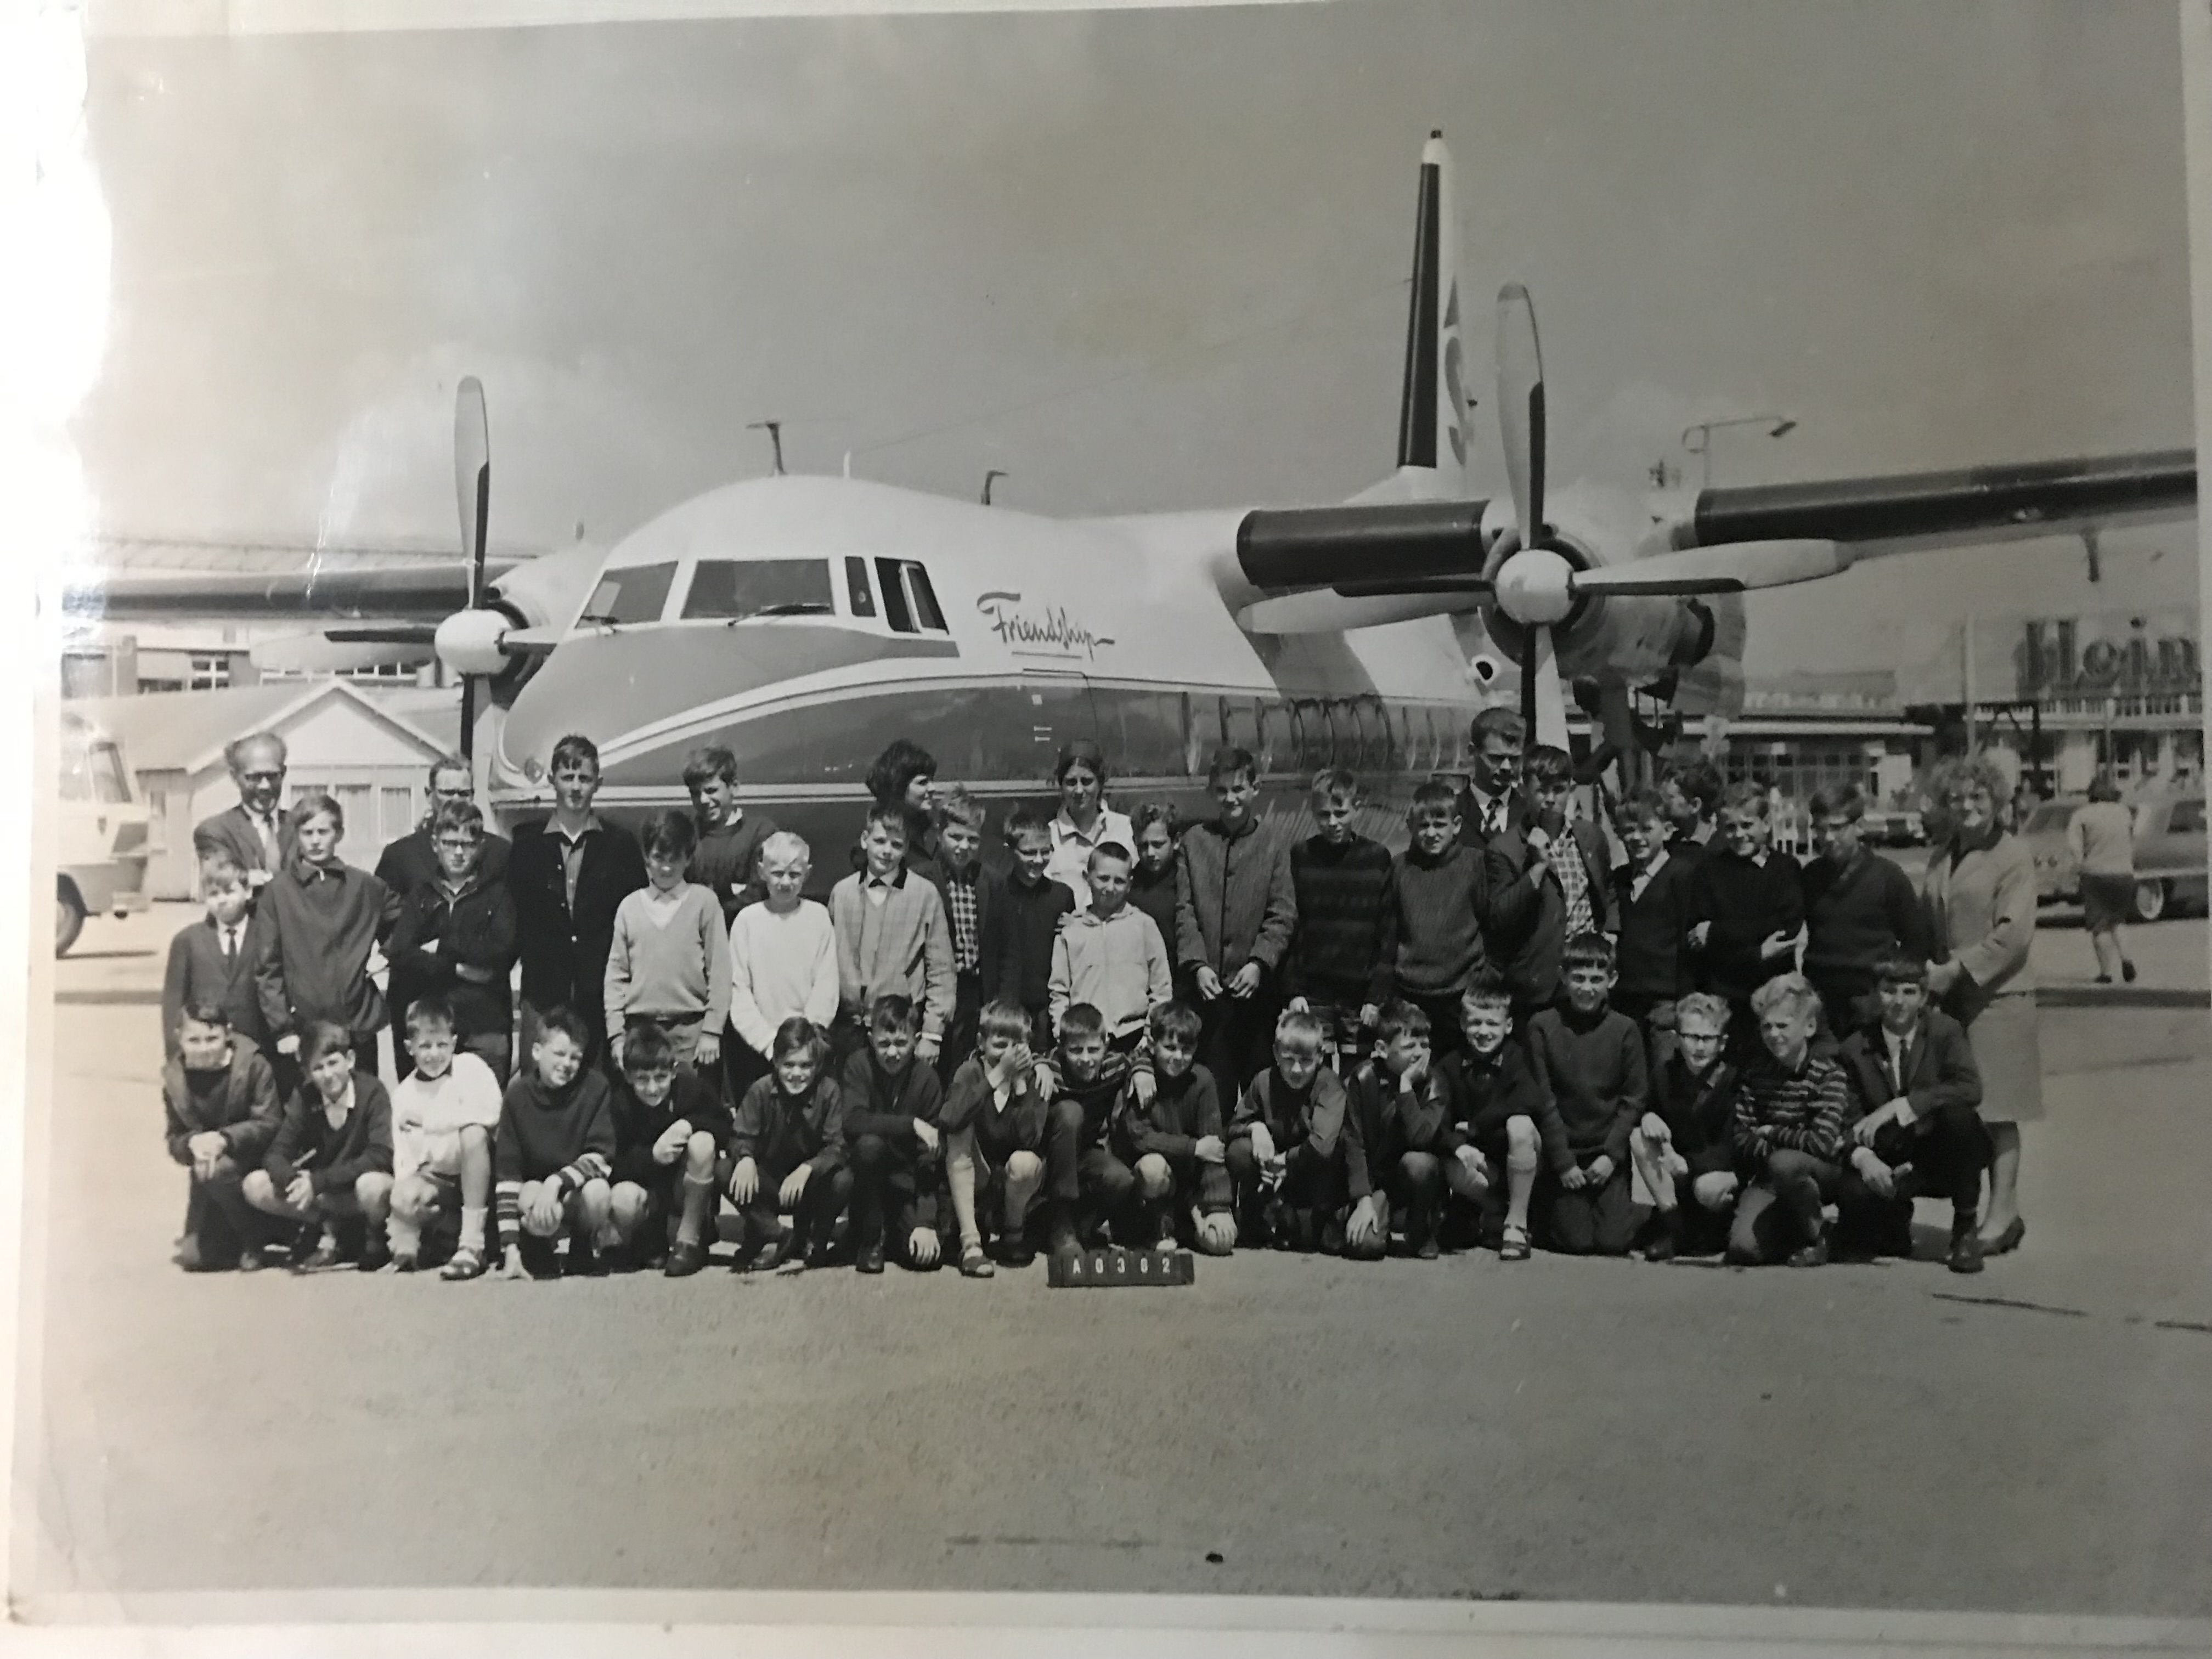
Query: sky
{"x": 1146, "y": 259}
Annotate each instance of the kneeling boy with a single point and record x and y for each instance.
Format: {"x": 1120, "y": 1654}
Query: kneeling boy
{"x": 1285, "y": 1150}
{"x": 1491, "y": 1140}
{"x": 1790, "y": 1110}
{"x": 1685, "y": 1149}
{"x": 1173, "y": 1145}
{"x": 892, "y": 1103}
{"x": 330, "y": 1161}
{"x": 994, "y": 1124}
{"x": 1914, "y": 1072}
{"x": 443, "y": 1116}
{"x": 1590, "y": 1060}
{"x": 556, "y": 1148}
{"x": 1393, "y": 1122}
{"x": 670, "y": 1125}
{"x": 787, "y": 1154}
{"x": 221, "y": 1100}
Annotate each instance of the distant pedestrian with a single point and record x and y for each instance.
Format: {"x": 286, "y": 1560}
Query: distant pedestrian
{"x": 2101, "y": 836}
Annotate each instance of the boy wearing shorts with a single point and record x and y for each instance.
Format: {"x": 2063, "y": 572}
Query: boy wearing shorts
{"x": 443, "y": 1116}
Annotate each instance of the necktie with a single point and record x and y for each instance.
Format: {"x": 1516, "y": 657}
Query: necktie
{"x": 229, "y": 944}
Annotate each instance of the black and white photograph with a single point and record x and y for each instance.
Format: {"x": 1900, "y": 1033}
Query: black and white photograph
{"x": 1390, "y": 805}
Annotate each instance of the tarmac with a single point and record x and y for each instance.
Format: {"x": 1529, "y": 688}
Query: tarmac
{"x": 2030, "y": 1440}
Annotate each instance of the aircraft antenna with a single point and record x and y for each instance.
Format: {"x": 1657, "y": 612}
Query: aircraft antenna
{"x": 993, "y": 473}
{"x": 774, "y": 430}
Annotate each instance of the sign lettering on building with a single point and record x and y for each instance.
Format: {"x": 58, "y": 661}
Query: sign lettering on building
{"x": 2115, "y": 655}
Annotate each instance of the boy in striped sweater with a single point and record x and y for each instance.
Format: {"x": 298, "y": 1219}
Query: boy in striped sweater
{"x": 1790, "y": 1110}
{"x": 669, "y": 962}
{"x": 1340, "y": 957}
{"x": 555, "y": 1150}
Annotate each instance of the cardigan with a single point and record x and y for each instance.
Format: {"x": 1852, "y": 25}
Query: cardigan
{"x": 332, "y": 1156}
{"x": 1312, "y": 1116}
{"x": 1018, "y": 1125}
{"x": 1118, "y": 965}
{"x": 1383, "y": 1121}
{"x": 779, "y": 1133}
{"x": 903, "y": 946}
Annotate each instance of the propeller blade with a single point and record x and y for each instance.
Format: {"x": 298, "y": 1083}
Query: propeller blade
{"x": 472, "y": 479}
{"x": 1326, "y": 610}
{"x": 1521, "y": 408}
{"x": 417, "y": 634}
{"x": 1733, "y": 568}
{"x": 469, "y": 720}
{"x": 1544, "y": 703}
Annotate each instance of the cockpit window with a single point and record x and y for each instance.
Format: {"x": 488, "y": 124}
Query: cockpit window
{"x": 925, "y": 600}
{"x": 860, "y": 595}
{"x": 759, "y": 587}
{"x": 636, "y": 594}
{"x": 910, "y": 602}
{"x": 895, "y": 610}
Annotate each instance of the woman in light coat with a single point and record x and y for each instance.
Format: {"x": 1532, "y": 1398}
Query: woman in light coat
{"x": 2102, "y": 837}
{"x": 1980, "y": 894}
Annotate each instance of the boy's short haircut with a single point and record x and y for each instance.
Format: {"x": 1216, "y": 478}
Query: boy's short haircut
{"x": 1174, "y": 1021}
{"x": 1701, "y": 785}
{"x": 1081, "y": 1019}
{"x": 1110, "y": 849}
{"x": 322, "y": 1038}
{"x": 1497, "y": 720}
{"x": 1487, "y": 989}
{"x": 453, "y": 815}
{"x": 1300, "y": 1028}
{"x": 707, "y": 764}
{"x": 646, "y": 1048}
{"x": 205, "y": 1014}
{"x": 1838, "y": 800}
{"x": 222, "y": 866}
{"x": 1152, "y": 812}
{"x": 1547, "y": 764}
{"x": 1898, "y": 968}
{"x": 1025, "y": 821}
{"x": 956, "y": 805}
{"x": 1335, "y": 783}
{"x": 787, "y": 844}
{"x": 1791, "y": 991}
{"x": 1641, "y": 807}
{"x": 796, "y": 1035}
{"x": 316, "y": 804}
{"x": 1704, "y": 1006}
{"x": 1002, "y": 1018}
{"x": 566, "y": 1021}
{"x": 424, "y": 1012}
{"x": 1434, "y": 800}
{"x": 1228, "y": 761}
{"x": 1401, "y": 1018}
{"x": 886, "y": 814}
{"x": 1587, "y": 950}
{"x": 672, "y": 834}
{"x": 893, "y": 1012}
{"x": 1745, "y": 796}
{"x": 572, "y": 748}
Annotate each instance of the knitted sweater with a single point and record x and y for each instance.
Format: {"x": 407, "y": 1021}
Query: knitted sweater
{"x": 1032, "y": 921}
{"x": 1447, "y": 906}
{"x": 1347, "y": 932}
{"x": 726, "y": 862}
{"x": 1699, "y": 1113}
{"x": 1183, "y": 1111}
{"x": 1096, "y": 1096}
{"x": 1016, "y": 1125}
{"x": 1855, "y": 916}
{"x": 694, "y": 1100}
{"x": 1119, "y": 966}
{"x": 1804, "y": 1109}
{"x": 332, "y": 1156}
{"x": 566, "y": 1135}
{"x": 781, "y": 966}
{"x": 903, "y": 946}
{"x": 322, "y": 922}
{"x": 1746, "y": 902}
{"x": 1154, "y": 893}
{"x": 1596, "y": 1080}
{"x": 780, "y": 1132}
{"x": 669, "y": 959}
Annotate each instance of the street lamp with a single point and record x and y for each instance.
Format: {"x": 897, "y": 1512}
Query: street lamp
{"x": 1698, "y": 440}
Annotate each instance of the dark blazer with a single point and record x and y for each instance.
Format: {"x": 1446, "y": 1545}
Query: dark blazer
{"x": 232, "y": 831}
{"x": 199, "y": 973}
{"x": 1530, "y": 952}
{"x": 990, "y": 920}
{"x": 564, "y": 955}
{"x": 332, "y": 1159}
{"x": 476, "y": 931}
{"x": 411, "y": 861}
{"x": 1939, "y": 1073}
{"x": 1654, "y": 951}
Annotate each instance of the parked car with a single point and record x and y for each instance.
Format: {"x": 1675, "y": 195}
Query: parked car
{"x": 1895, "y": 826}
{"x": 2170, "y": 854}
{"x": 100, "y": 832}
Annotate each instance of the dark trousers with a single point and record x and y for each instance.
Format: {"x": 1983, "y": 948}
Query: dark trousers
{"x": 218, "y": 1221}
{"x": 1780, "y": 1208}
{"x": 1846, "y": 1003}
{"x": 893, "y": 1191}
{"x": 1237, "y": 1038}
{"x": 1595, "y": 1219}
{"x": 1087, "y": 1177}
{"x": 813, "y": 1220}
{"x": 743, "y": 1065}
{"x": 1948, "y": 1155}
{"x": 1310, "y": 1181}
{"x": 1443, "y": 1008}
{"x": 960, "y": 1035}
{"x": 1654, "y": 1016}
{"x": 1414, "y": 1181}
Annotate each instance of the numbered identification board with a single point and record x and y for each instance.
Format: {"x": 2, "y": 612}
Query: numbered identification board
{"x": 1115, "y": 1267}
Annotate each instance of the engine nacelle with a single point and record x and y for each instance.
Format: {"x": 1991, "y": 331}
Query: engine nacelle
{"x": 468, "y": 641}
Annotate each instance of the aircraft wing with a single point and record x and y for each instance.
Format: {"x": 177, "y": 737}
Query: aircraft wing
{"x": 432, "y": 592}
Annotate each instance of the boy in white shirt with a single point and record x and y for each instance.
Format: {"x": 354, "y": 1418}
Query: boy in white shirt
{"x": 783, "y": 962}
{"x": 443, "y": 1116}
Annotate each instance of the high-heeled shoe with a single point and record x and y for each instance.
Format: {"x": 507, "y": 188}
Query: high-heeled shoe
{"x": 2007, "y": 1240}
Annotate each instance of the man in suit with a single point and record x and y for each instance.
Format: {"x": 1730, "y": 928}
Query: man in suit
{"x": 1921, "y": 1131}
{"x": 253, "y": 832}
{"x": 568, "y": 874}
{"x": 1497, "y": 813}
{"x": 411, "y": 863}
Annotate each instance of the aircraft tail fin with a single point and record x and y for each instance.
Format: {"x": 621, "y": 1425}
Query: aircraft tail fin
{"x": 1432, "y": 416}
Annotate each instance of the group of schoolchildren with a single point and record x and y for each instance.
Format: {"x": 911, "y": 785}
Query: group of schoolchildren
{"x": 1207, "y": 1040}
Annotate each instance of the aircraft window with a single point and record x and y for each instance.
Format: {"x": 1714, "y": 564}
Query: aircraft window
{"x": 860, "y": 595}
{"x": 1278, "y": 746}
{"x": 1374, "y": 734}
{"x": 636, "y": 594}
{"x": 1201, "y": 732}
{"x": 759, "y": 587}
{"x": 895, "y": 607}
{"x": 1240, "y": 721}
{"x": 923, "y": 598}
